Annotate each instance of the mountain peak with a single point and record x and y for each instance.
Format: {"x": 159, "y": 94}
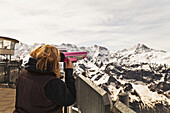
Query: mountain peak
{"x": 141, "y": 46}
{"x": 99, "y": 47}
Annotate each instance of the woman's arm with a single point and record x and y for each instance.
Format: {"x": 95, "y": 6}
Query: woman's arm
{"x": 62, "y": 93}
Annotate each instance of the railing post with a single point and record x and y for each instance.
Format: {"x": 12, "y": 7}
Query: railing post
{"x": 124, "y": 98}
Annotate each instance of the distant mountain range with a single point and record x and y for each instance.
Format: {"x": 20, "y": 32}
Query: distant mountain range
{"x": 137, "y": 54}
{"x": 142, "y": 72}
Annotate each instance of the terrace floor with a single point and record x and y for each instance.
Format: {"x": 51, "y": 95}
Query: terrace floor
{"x": 7, "y": 100}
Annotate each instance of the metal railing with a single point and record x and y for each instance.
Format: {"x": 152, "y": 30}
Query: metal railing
{"x": 2, "y": 72}
{"x": 9, "y": 71}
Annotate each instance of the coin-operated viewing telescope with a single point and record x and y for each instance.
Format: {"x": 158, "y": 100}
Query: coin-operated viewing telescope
{"x": 74, "y": 56}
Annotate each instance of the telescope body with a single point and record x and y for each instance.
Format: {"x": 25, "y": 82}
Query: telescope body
{"x": 74, "y": 56}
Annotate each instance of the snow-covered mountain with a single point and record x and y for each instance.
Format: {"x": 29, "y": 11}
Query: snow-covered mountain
{"x": 141, "y": 53}
{"x": 142, "y": 72}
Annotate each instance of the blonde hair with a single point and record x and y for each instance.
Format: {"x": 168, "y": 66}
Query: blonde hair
{"x": 50, "y": 54}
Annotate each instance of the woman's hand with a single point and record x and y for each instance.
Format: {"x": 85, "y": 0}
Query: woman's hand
{"x": 68, "y": 64}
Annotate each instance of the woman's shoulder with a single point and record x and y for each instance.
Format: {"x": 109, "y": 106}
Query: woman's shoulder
{"x": 55, "y": 81}
{"x": 54, "y": 84}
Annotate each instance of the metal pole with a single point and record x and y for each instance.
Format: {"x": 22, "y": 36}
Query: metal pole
{"x": 9, "y": 57}
{"x": 65, "y": 107}
{"x": 5, "y": 69}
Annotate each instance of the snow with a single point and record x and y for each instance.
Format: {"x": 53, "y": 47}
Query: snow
{"x": 140, "y": 53}
{"x": 102, "y": 80}
{"x": 148, "y": 97}
{"x": 114, "y": 92}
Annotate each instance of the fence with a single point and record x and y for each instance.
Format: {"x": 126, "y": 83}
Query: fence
{"x": 9, "y": 71}
{"x": 93, "y": 99}
{"x": 2, "y": 72}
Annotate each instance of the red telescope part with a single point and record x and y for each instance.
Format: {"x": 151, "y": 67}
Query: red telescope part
{"x": 74, "y": 56}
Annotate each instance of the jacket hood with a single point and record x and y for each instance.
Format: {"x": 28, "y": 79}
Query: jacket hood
{"x": 31, "y": 66}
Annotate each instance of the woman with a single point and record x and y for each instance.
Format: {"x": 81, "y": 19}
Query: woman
{"x": 39, "y": 87}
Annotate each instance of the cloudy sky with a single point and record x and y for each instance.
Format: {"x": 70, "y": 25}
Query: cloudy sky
{"x": 115, "y": 24}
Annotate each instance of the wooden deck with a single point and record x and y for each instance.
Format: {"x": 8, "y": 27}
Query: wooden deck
{"x": 7, "y": 100}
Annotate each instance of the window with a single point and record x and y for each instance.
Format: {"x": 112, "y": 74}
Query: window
{"x": 7, "y": 44}
{"x": 1, "y": 43}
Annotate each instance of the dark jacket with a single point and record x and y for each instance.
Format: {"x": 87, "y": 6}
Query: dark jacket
{"x": 41, "y": 92}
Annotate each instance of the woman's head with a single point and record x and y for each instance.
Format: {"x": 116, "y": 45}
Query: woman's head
{"x": 47, "y": 54}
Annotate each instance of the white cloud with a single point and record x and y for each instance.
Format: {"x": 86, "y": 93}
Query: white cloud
{"x": 109, "y": 23}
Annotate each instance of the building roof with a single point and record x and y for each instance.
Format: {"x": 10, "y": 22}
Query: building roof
{"x": 11, "y": 39}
